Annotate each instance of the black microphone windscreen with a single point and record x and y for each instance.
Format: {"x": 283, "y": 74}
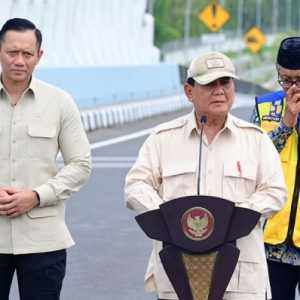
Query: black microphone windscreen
{"x": 203, "y": 119}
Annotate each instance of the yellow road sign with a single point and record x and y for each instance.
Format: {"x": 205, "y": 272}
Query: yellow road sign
{"x": 214, "y": 16}
{"x": 255, "y": 39}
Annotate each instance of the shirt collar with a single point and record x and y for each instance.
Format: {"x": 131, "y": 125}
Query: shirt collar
{"x": 229, "y": 124}
{"x": 191, "y": 125}
{"x": 1, "y": 86}
{"x": 32, "y": 85}
{"x": 31, "y": 88}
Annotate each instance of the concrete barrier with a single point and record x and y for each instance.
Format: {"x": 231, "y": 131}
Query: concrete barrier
{"x": 108, "y": 116}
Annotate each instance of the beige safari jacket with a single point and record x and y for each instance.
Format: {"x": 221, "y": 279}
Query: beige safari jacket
{"x": 241, "y": 165}
{"x": 44, "y": 122}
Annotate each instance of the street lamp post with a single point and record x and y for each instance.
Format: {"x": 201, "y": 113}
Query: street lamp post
{"x": 275, "y": 17}
{"x": 240, "y": 17}
{"x": 151, "y": 6}
{"x": 288, "y": 15}
{"x": 187, "y": 16}
{"x": 258, "y": 13}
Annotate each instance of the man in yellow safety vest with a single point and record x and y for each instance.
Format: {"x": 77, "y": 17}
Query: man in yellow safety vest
{"x": 278, "y": 114}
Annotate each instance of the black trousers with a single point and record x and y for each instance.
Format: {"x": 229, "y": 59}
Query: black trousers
{"x": 284, "y": 279}
{"x": 39, "y": 275}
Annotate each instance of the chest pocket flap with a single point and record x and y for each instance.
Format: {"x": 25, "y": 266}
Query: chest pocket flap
{"x": 241, "y": 169}
{"x": 178, "y": 180}
{"x": 41, "y": 130}
{"x": 178, "y": 169}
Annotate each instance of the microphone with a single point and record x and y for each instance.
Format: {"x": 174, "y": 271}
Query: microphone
{"x": 203, "y": 120}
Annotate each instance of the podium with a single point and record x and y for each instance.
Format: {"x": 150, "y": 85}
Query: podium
{"x": 199, "y": 236}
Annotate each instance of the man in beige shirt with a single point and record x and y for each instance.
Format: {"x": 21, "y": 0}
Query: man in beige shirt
{"x": 239, "y": 163}
{"x": 37, "y": 121}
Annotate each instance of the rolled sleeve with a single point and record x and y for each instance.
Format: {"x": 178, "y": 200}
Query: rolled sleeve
{"x": 46, "y": 195}
{"x": 143, "y": 180}
{"x": 75, "y": 150}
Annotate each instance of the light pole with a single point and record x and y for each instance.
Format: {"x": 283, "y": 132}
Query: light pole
{"x": 240, "y": 18}
{"x": 187, "y": 16}
{"x": 258, "y": 13}
{"x": 299, "y": 17}
{"x": 288, "y": 15}
{"x": 150, "y": 6}
{"x": 275, "y": 17}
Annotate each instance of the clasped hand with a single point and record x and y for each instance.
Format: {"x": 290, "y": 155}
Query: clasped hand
{"x": 15, "y": 202}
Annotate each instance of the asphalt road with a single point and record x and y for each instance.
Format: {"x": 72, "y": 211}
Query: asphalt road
{"x": 111, "y": 253}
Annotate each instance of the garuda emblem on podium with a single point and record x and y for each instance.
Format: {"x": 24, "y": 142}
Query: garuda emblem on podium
{"x": 197, "y": 223}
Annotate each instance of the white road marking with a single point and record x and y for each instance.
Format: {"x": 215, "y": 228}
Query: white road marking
{"x": 109, "y": 162}
{"x": 100, "y": 162}
{"x": 104, "y": 162}
{"x": 121, "y": 139}
{"x": 112, "y": 165}
{"x": 113, "y": 158}
{"x": 106, "y": 165}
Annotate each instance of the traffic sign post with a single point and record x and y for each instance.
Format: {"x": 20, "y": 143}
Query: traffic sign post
{"x": 214, "y": 16}
{"x": 255, "y": 39}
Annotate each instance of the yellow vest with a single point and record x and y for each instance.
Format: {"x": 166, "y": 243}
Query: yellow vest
{"x": 284, "y": 226}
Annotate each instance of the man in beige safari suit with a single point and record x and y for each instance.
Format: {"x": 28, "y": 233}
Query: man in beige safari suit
{"x": 239, "y": 163}
{"x": 36, "y": 122}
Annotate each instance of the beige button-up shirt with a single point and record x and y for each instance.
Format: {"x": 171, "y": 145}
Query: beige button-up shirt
{"x": 43, "y": 122}
{"x": 241, "y": 165}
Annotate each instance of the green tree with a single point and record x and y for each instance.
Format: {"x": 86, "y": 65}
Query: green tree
{"x": 170, "y": 14}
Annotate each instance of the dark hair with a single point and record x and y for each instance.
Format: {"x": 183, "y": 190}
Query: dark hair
{"x": 19, "y": 24}
{"x": 191, "y": 81}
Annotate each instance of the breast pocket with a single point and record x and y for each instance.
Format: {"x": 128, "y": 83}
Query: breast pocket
{"x": 42, "y": 224}
{"x": 248, "y": 277}
{"x": 239, "y": 179}
{"x": 42, "y": 141}
{"x": 3, "y": 152}
{"x": 178, "y": 181}
{"x": 5, "y": 141}
{"x": 250, "y": 273}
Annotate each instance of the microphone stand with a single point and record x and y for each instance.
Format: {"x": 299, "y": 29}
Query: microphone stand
{"x": 203, "y": 120}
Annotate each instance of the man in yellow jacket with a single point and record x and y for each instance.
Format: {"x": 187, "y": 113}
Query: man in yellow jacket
{"x": 278, "y": 113}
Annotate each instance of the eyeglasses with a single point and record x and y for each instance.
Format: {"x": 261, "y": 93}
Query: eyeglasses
{"x": 287, "y": 82}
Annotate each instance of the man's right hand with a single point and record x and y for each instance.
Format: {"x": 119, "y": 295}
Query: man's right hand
{"x": 15, "y": 202}
{"x": 292, "y": 108}
{"x": 4, "y": 199}
{"x": 3, "y": 193}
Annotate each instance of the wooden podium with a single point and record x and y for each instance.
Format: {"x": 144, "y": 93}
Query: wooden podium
{"x": 199, "y": 251}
